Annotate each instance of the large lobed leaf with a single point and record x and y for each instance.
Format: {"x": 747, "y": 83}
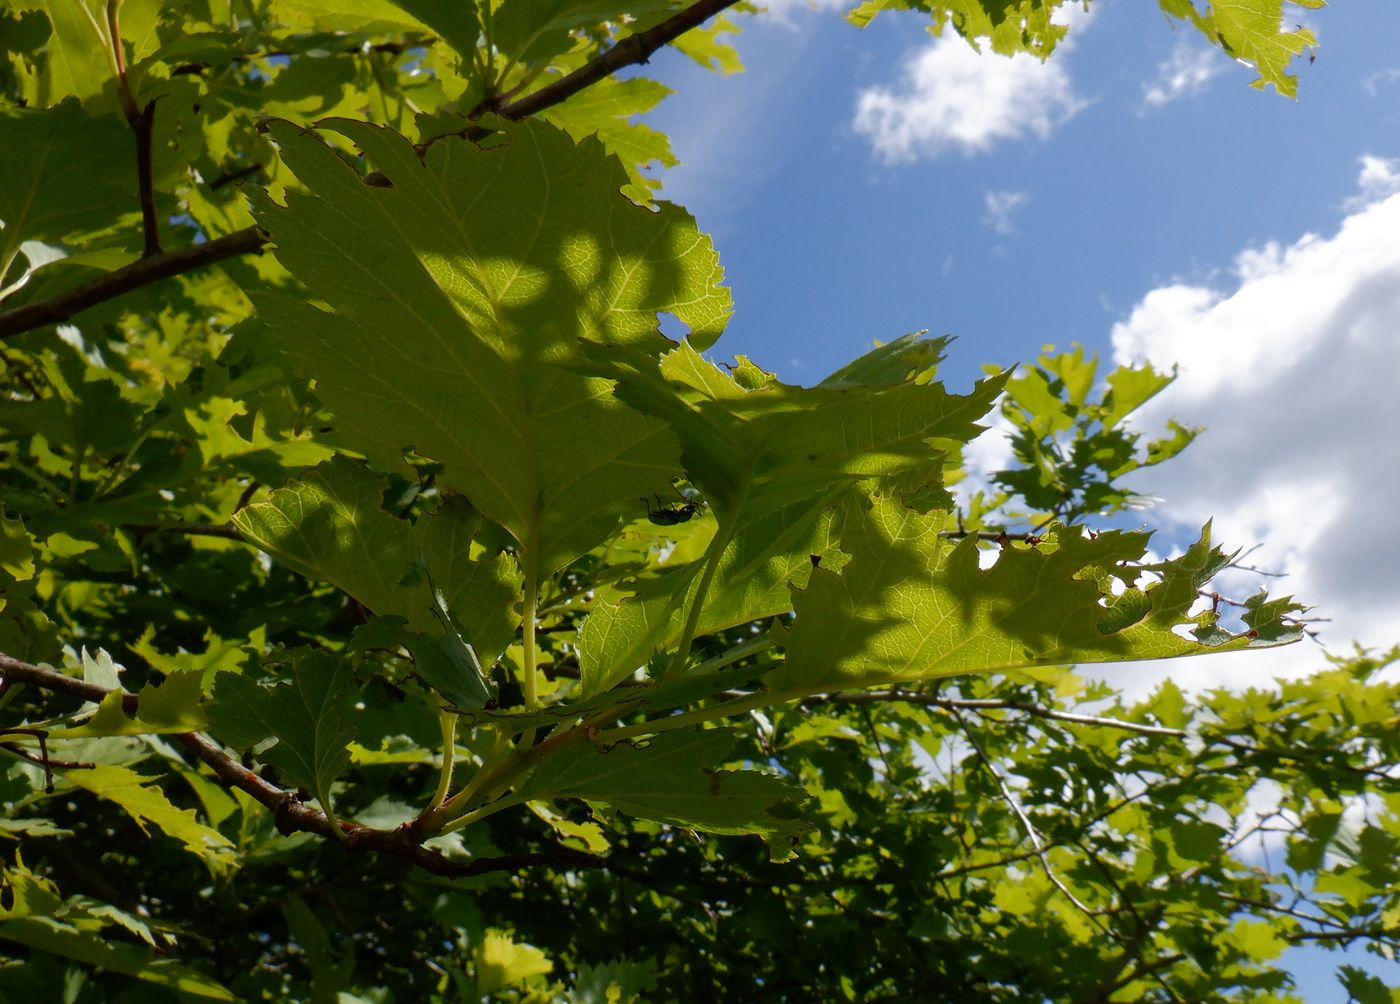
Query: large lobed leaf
{"x": 330, "y": 525}
{"x": 449, "y": 307}
{"x": 311, "y": 718}
{"x": 750, "y": 440}
{"x": 913, "y": 605}
{"x": 144, "y": 801}
{"x": 43, "y": 195}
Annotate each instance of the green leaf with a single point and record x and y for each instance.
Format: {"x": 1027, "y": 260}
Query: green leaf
{"x": 502, "y": 962}
{"x": 1252, "y": 31}
{"x": 910, "y": 358}
{"x": 617, "y": 982}
{"x": 668, "y": 778}
{"x": 448, "y": 663}
{"x": 169, "y": 707}
{"x": 479, "y": 592}
{"x": 455, "y": 22}
{"x": 367, "y": 16}
{"x": 1011, "y": 26}
{"x": 747, "y": 436}
{"x": 147, "y": 804}
{"x": 78, "y": 55}
{"x": 532, "y": 31}
{"x": 753, "y": 577}
{"x": 1365, "y": 988}
{"x": 619, "y": 638}
{"x": 311, "y": 717}
{"x": 101, "y": 670}
{"x": 606, "y": 110}
{"x": 331, "y": 526}
{"x": 48, "y": 934}
{"x": 42, "y": 196}
{"x": 16, "y": 549}
{"x": 912, "y": 604}
{"x": 551, "y": 456}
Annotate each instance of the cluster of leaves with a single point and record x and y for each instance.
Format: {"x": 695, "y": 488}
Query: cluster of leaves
{"x": 456, "y": 602}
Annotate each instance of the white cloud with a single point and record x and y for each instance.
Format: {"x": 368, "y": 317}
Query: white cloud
{"x": 1000, "y": 206}
{"x": 1184, "y": 74}
{"x": 1374, "y": 83}
{"x": 1293, "y": 372}
{"x": 1379, "y": 178}
{"x": 951, "y": 97}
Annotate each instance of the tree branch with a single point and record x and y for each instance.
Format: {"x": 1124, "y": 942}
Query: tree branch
{"x": 1032, "y": 834}
{"x": 290, "y": 812}
{"x": 951, "y": 704}
{"x": 633, "y": 50}
{"x": 143, "y": 272}
{"x": 142, "y": 121}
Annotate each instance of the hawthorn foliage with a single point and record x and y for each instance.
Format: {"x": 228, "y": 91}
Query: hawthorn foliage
{"x": 390, "y": 612}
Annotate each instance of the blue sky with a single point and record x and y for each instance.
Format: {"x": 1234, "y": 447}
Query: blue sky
{"x": 1134, "y": 195}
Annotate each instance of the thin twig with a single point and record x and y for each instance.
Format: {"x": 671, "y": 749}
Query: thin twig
{"x": 879, "y": 746}
{"x": 993, "y": 704}
{"x": 43, "y": 760}
{"x": 999, "y": 537}
{"x": 1032, "y": 834}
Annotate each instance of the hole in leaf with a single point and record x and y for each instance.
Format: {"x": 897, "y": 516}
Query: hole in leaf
{"x": 672, "y": 326}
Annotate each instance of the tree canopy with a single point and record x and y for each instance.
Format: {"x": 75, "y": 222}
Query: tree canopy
{"x": 390, "y": 611}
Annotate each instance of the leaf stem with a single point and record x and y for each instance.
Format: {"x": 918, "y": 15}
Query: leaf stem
{"x": 77, "y": 476}
{"x": 481, "y": 812}
{"x": 447, "y": 722}
{"x": 728, "y": 523}
{"x": 530, "y": 677}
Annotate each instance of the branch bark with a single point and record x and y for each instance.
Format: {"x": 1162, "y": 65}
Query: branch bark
{"x": 142, "y": 122}
{"x": 290, "y": 813}
{"x": 142, "y": 272}
{"x": 634, "y": 50}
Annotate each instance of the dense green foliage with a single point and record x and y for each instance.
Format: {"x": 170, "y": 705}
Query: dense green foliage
{"x": 390, "y": 612}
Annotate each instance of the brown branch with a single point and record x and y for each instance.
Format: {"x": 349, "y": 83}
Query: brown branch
{"x": 633, "y": 50}
{"x": 289, "y": 811}
{"x": 43, "y": 760}
{"x": 142, "y": 272}
{"x": 142, "y": 125}
{"x": 141, "y": 121}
